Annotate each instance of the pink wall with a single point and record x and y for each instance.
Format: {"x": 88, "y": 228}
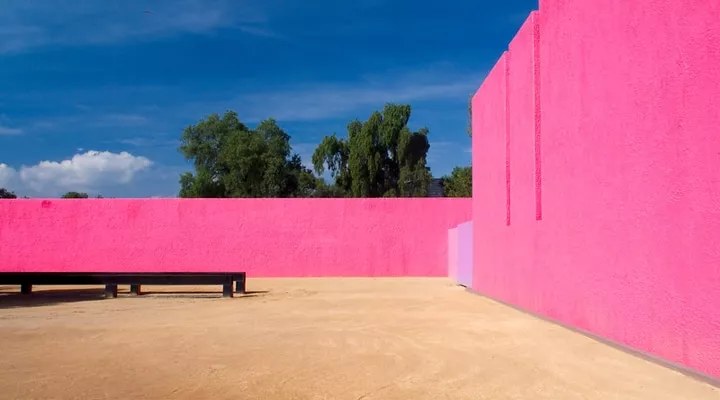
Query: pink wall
{"x": 464, "y": 258}
{"x": 264, "y": 237}
{"x": 597, "y": 173}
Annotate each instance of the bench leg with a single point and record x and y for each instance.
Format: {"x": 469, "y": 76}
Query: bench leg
{"x": 227, "y": 290}
{"x": 111, "y": 291}
{"x": 26, "y": 288}
{"x": 240, "y": 285}
{"x": 136, "y": 290}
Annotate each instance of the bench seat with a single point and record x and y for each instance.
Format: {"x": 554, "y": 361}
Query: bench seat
{"x": 111, "y": 280}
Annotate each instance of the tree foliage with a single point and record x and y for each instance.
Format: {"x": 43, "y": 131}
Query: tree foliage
{"x": 232, "y": 160}
{"x": 75, "y": 195}
{"x": 325, "y": 190}
{"x": 381, "y": 157}
{"x": 459, "y": 182}
{"x": 6, "y": 194}
{"x": 469, "y": 124}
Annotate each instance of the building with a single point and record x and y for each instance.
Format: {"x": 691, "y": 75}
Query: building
{"x": 436, "y": 189}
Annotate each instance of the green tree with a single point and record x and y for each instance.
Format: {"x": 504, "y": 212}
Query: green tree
{"x": 325, "y": 190}
{"x": 458, "y": 183}
{"x": 469, "y": 126}
{"x": 380, "y": 157}
{"x": 6, "y": 194}
{"x": 232, "y": 160}
{"x": 333, "y": 153}
{"x": 75, "y": 195}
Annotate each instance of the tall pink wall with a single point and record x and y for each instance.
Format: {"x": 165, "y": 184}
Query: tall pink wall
{"x": 596, "y": 186}
{"x": 264, "y": 237}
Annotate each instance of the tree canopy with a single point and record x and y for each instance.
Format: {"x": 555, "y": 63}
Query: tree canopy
{"x": 78, "y": 195}
{"x": 232, "y": 160}
{"x": 380, "y": 157}
{"x": 458, "y": 183}
{"x": 6, "y": 194}
{"x": 74, "y": 195}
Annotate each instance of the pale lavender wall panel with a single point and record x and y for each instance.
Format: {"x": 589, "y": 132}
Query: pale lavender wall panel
{"x": 452, "y": 253}
{"x": 465, "y": 253}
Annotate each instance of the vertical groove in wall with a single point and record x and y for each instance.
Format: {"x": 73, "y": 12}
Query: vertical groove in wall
{"x": 507, "y": 138}
{"x": 536, "y": 106}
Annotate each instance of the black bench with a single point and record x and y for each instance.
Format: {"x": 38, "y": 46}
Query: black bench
{"x": 111, "y": 280}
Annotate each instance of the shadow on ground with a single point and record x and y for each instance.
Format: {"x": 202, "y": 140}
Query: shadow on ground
{"x": 249, "y": 293}
{"x": 40, "y": 298}
{"x": 48, "y": 297}
{"x": 194, "y": 294}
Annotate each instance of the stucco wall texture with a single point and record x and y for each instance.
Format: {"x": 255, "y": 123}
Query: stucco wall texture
{"x": 264, "y": 237}
{"x": 464, "y": 258}
{"x": 453, "y": 251}
{"x": 596, "y": 179}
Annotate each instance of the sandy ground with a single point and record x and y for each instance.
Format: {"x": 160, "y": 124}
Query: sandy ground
{"x": 309, "y": 339}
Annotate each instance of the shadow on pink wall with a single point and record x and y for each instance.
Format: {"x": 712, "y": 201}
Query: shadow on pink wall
{"x": 264, "y": 237}
{"x": 453, "y": 251}
{"x": 465, "y": 251}
{"x": 460, "y": 249}
{"x": 596, "y": 186}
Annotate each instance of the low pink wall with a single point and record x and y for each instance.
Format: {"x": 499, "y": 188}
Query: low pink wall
{"x": 264, "y": 237}
{"x": 596, "y": 186}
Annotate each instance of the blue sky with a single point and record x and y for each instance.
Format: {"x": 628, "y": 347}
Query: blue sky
{"x": 94, "y": 94}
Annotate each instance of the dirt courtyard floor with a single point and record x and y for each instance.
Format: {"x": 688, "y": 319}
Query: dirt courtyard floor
{"x": 308, "y": 339}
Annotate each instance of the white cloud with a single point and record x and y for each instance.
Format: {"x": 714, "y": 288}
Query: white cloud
{"x": 94, "y": 120}
{"x": 119, "y": 120}
{"x": 26, "y": 24}
{"x": 258, "y": 31}
{"x": 83, "y": 172}
{"x": 324, "y": 102}
{"x": 320, "y": 101}
{"x": 4, "y": 130}
{"x": 149, "y": 142}
{"x": 7, "y": 175}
